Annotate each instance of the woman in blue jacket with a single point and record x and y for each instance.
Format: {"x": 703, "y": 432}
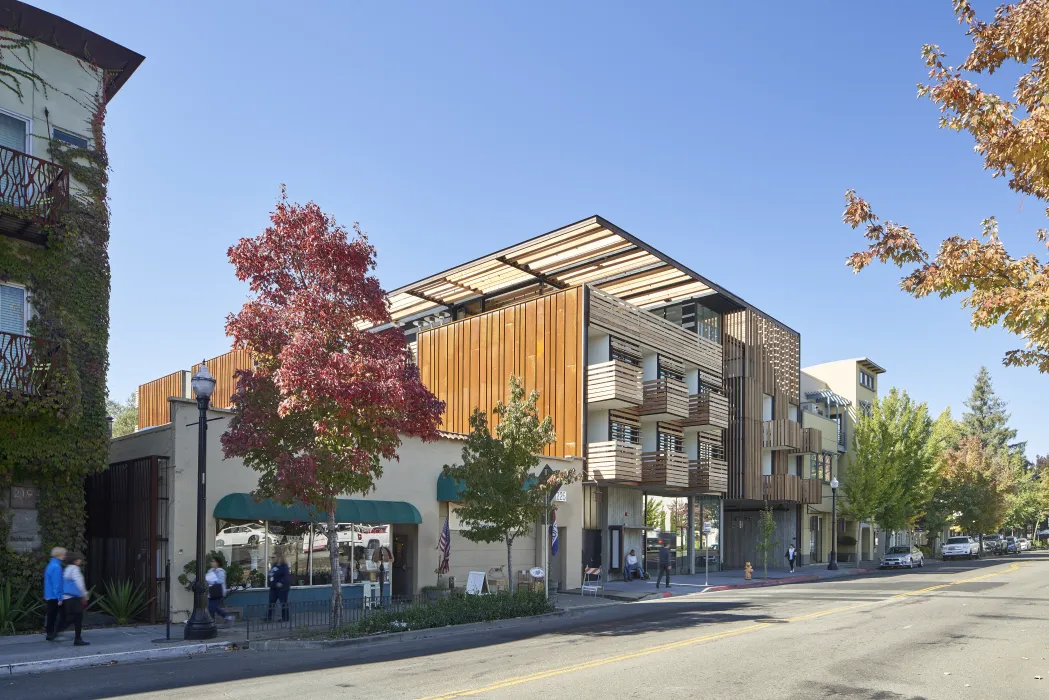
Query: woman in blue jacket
{"x": 54, "y": 620}
{"x": 280, "y": 582}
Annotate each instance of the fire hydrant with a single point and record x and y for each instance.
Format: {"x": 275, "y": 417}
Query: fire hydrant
{"x": 748, "y": 571}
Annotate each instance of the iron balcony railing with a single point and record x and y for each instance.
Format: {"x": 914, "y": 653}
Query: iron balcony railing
{"x": 32, "y": 189}
{"x": 28, "y": 365}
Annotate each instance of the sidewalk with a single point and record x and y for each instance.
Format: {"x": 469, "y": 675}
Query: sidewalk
{"x": 31, "y": 653}
{"x": 617, "y": 589}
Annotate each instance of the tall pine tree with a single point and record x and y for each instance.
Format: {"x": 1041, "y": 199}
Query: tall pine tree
{"x": 988, "y": 420}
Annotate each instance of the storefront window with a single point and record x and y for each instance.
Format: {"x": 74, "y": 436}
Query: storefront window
{"x": 253, "y": 546}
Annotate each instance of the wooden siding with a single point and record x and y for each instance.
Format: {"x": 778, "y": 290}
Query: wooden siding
{"x": 708, "y": 475}
{"x": 707, "y": 409}
{"x": 631, "y": 323}
{"x": 665, "y": 468}
{"x": 153, "y": 398}
{"x": 781, "y": 434}
{"x": 615, "y": 461}
{"x": 615, "y": 383}
{"x": 468, "y": 364}
{"x": 224, "y": 367}
{"x": 665, "y": 397}
{"x": 811, "y": 491}
{"x": 811, "y": 441}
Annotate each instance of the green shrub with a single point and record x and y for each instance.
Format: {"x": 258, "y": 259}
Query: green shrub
{"x": 457, "y": 609}
{"x": 926, "y": 550}
{"x": 125, "y": 602}
{"x": 847, "y": 540}
{"x": 18, "y": 611}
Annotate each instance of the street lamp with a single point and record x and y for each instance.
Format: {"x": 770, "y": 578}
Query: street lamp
{"x": 833, "y": 565}
{"x": 200, "y": 624}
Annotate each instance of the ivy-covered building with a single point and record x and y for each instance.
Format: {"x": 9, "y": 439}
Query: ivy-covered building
{"x": 56, "y": 79}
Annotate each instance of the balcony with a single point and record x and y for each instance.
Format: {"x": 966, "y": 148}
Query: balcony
{"x": 29, "y": 367}
{"x": 811, "y": 441}
{"x": 665, "y": 399}
{"x": 781, "y": 434}
{"x": 708, "y": 474}
{"x": 665, "y": 468}
{"x": 33, "y": 195}
{"x": 707, "y": 411}
{"x": 614, "y": 384}
{"x": 614, "y": 461}
{"x": 788, "y": 487}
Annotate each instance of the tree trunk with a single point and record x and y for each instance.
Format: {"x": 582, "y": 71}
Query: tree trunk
{"x": 510, "y": 578}
{"x": 333, "y": 555}
{"x": 859, "y": 542}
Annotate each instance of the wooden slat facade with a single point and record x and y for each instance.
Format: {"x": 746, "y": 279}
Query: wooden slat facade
{"x": 811, "y": 441}
{"x": 665, "y": 397}
{"x": 224, "y": 367}
{"x": 781, "y": 434}
{"x": 811, "y": 491}
{"x": 708, "y": 475}
{"x": 665, "y": 468}
{"x": 468, "y": 363}
{"x": 153, "y": 398}
{"x": 614, "y": 461}
{"x": 614, "y": 384}
{"x": 707, "y": 409}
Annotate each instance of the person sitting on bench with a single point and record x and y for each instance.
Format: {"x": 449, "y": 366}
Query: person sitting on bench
{"x": 632, "y": 566}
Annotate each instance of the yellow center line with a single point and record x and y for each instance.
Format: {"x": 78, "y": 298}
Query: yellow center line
{"x": 518, "y": 680}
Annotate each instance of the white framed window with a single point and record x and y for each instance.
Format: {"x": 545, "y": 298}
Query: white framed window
{"x": 14, "y": 131}
{"x": 867, "y": 379}
{"x": 14, "y": 308}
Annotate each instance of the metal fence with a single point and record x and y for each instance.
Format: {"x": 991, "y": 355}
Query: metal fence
{"x": 304, "y": 615}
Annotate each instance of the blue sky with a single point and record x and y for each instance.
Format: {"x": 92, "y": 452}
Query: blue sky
{"x": 724, "y": 134}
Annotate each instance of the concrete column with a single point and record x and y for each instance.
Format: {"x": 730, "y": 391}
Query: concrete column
{"x": 721, "y": 534}
{"x": 692, "y": 534}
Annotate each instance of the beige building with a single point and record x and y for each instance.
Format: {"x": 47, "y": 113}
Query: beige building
{"x": 406, "y": 512}
{"x": 834, "y": 393}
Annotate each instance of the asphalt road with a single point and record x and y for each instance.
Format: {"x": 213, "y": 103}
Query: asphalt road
{"x": 963, "y": 630}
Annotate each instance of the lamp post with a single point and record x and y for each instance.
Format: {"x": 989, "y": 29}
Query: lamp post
{"x": 833, "y": 565}
{"x": 200, "y": 624}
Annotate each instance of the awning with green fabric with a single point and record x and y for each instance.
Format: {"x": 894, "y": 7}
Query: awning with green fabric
{"x": 242, "y": 506}
{"x": 449, "y": 489}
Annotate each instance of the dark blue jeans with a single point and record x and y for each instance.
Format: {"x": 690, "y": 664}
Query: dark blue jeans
{"x": 216, "y": 609}
{"x": 278, "y": 594}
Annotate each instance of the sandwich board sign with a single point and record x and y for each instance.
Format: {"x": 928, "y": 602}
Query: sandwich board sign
{"x": 477, "y": 583}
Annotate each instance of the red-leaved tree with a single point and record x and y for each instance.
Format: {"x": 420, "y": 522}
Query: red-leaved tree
{"x": 326, "y": 401}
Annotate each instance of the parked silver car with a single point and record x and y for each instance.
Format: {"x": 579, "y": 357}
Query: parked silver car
{"x": 961, "y": 548}
{"x": 902, "y": 556}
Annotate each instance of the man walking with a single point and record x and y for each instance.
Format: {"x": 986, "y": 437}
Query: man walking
{"x": 664, "y": 564}
{"x": 792, "y": 556}
{"x": 280, "y": 582}
{"x": 53, "y": 588}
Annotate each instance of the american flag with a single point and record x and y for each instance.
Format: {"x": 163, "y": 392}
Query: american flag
{"x": 444, "y": 544}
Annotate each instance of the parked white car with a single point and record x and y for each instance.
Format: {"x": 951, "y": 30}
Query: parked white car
{"x": 902, "y": 556}
{"x": 251, "y": 535}
{"x": 961, "y": 548}
{"x": 1025, "y": 544}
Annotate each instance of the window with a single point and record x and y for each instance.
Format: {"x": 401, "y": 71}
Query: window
{"x": 13, "y": 311}
{"x": 766, "y": 463}
{"x": 708, "y": 323}
{"x": 13, "y": 132}
{"x": 820, "y": 467}
{"x": 623, "y": 432}
{"x": 867, "y": 379}
{"x": 668, "y": 442}
{"x": 70, "y": 138}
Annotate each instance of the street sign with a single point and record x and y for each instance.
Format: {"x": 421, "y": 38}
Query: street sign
{"x": 706, "y": 527}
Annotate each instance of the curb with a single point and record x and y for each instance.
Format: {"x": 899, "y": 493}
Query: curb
{"x": 413, "y": 635}
{"x": 74, "y": 662}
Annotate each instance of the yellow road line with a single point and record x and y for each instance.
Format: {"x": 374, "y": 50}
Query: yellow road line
{"x": 518, "y": 680}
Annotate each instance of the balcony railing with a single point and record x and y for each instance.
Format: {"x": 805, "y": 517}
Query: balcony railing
{"x": 614, "y": 384}
{"x": 781, "y": 434}
{"x": 665, "y": 399}
{"x": 28, "y": 364}
{"x": 811, "y": 441}
{"x": 788, "y": 487}
{"x": 708, "y": 474}
{"x": 707, "y": 410}
{"x": 665, "y": 468}
{"x": 33, "y": 193}
{"x": 615, "y": 461}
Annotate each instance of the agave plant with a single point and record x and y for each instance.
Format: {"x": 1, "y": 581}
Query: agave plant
{"x": 124, "y": 602}
{"x": 18, "y": 610}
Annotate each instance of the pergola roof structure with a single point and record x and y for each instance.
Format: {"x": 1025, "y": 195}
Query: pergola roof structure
{"x": 592, "y": 251}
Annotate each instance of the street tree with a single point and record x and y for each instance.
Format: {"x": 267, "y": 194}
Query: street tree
{"x": 124, "y": 415}
{"x": 501, "y": 497}
{"x": 988, "y": 420}
{"x": 655, "y": 515}
{"x": 977, "y": 484}
{"x": 766, "y": 531}
{"x": 998, "y": 288}
{"x": 326, "y": 401}
{"x": 938, "y": 513}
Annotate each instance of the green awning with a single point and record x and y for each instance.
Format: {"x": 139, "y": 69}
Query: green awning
{"x": 449, "y": 489}
{"x": 242, "y": 506}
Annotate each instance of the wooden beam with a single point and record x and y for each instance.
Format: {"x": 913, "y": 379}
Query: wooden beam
{"x": 432, "y": 300}
{"x": 538, "y": 275}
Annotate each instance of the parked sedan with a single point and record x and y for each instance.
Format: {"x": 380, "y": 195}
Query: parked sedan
{"x": 1025, "y": 544}
{"x": 961, "y": 548}
{"x": 1011, "y": 545}
{"x": 902, "y": 556}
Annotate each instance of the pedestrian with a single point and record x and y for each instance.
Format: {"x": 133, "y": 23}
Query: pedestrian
{"x": 216, "y": 580}
{"x": 792, "y": 556}
{"x": 53, "y": 617}
{"x": 664, "y": 564}
{"x": 74, "y": 595}
{"x": 280, "y": 582}
{"x": 632, "y": 567}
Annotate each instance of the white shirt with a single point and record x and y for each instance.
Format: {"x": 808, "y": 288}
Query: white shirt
{"x": 72, "y": 572}
{"x": 216, "y": 576}
{"x": 631, "y": 559}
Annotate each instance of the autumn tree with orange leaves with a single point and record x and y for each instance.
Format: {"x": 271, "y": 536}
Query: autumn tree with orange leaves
{"x": 327, "y": 400}
{"x": 1012, "y": 135}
